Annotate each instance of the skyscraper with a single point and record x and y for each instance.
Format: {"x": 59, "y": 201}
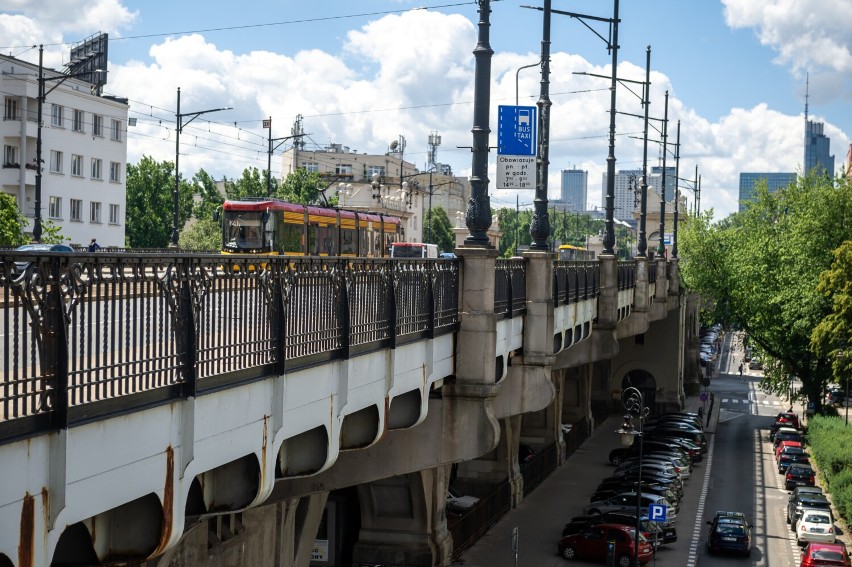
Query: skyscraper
{"x": 774, "y": 182}
{"x": 575, "y": 186}
{"x": 817, "y": 145}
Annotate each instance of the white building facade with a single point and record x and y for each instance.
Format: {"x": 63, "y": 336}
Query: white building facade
{"x": 84, "y": 153}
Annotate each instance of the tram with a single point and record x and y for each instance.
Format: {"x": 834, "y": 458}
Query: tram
{"x": 571, "y": 252}
{"x": 276, "y": 227}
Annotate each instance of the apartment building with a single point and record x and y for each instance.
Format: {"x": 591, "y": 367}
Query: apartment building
{"x": 83, "y": 153}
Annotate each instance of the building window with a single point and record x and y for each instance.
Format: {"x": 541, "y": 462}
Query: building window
{"x": 375, "y": 170}
{"x": 96, "y": 168}
{"x": 97, "y": 125}
{"x": 343, "y": 169}
{"x": 311, "y": 167}
{"x": 11, "y": 109}
{"x": 115, "y": 172}
{"x": 56, "y": 116}
{"x": 116, "y": 130}
{"x": 76, "y": 165}
{"x": 113, "y": 214}
{"x": 77, "y": 123}
{"x": 54, "y": 208}
{"x": 95, "y": 212}
{"x": 55, "y": 161}
{"x": 76, "y": 210}
{"x": 10, "y": 156}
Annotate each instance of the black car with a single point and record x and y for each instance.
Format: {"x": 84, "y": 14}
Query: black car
{"x": 37, "y": 248}
{"x": 619, "y": 454}
{"x": 798, "y": 475}
{"x": 799, "y": 500}
{"x": 729, "y": 531}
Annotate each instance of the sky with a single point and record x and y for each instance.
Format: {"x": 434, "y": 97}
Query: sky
{"x": 362, "y": 74}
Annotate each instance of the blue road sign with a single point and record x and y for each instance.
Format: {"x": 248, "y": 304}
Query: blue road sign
{"x": 657, "y": 513}
{"x": 516, "y": 130}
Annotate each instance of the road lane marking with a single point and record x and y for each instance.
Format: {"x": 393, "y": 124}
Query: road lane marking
{"x": 692, "y": 559}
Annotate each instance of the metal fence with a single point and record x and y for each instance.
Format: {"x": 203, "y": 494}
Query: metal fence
{"x": 467, "y": 528}
{"x": 92, "y": 334}
{"x": 575, "y": 281}
{"x": 510, "y": 287}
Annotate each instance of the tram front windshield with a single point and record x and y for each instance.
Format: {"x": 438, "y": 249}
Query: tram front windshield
{"x": 243, "y": 231}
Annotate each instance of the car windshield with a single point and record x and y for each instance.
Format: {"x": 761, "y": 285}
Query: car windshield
{"x": 730, "y": 529}
{"x": 817, "y": 519}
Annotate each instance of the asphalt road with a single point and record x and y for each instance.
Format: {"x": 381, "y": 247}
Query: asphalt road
{"x": 738, "y": 474}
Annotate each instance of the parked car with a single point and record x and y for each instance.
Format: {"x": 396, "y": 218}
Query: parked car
{"x": 592, "y": 544}
{"x": 755, "y": 364}
{"x": 784, "y": 444}
{"x": 799, "y": 500}
{"x": 628, "y": 500}
{"x": 788, "y": 417}
{"x": 798, "y": 475}
{"x": 36, "y": 248}
{"x": 729, "y": 531}
{"x": 825, "y": 554}
{"x": 815, "y": 525}
{"x": 653, "y": 532}
{"x": 786, "y": 436}
{"x": 785, "y": 459}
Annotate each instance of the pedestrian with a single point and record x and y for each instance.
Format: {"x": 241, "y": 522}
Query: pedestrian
{"x": 741, "y": 369}
{"x": 94, "y": 246}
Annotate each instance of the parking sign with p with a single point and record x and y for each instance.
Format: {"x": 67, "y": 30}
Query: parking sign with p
{"x": 657, "y": 513}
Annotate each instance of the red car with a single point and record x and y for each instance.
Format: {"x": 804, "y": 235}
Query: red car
{"x": 592, "y": 544}
{"x": 825, "y": 554}
{"x": 788, "y": 417}
{"x": 783, "y": 444}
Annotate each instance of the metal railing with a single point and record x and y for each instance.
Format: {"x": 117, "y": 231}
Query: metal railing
{"x": 575, "y": 281}
{"x": 93, "y": 334}
{"x": 510, "y": 287}
{"x": 626, "y": 274}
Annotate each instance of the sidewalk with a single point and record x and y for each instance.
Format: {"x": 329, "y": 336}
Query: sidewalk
{"x": 561, "y": 496}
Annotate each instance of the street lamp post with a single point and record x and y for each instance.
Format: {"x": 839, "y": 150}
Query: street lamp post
{"x": 676, "y": 190}
{"x": 661, "y": 245}
{"x": 42, "y": 96}
{"x": 634, "y": 405}
{"x": 180, "y": 124}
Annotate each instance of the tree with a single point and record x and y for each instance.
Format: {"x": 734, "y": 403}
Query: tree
{"x": 301, "y": 187}
{"x": 208, "y": 197}
{"x": 831, "y": 337}
{"x": 12, "y": 222}
{"x": 250, "y": 184}
{"x": 439, "y": 229}
{"x": 203, "y": 234}
{"x": 150, "y": 188}
{"x": 759, "y": 269}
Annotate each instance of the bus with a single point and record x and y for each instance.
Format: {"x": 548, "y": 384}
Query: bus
{"x": 570, "y": 252}
{"x": 413, "y": 250}
{"x": 273, "y": 226}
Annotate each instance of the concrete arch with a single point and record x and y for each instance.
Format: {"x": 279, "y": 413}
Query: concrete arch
{"x": 643, "y": 381}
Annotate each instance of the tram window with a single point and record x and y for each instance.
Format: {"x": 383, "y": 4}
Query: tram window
{"x": 325, "y": 240}
{"x": 363, "y": 245}
{"x": 291, "y": 241}
{"x": 347, "y": 245}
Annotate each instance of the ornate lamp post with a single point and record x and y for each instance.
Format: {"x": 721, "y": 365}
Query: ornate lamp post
{"x": 634, "y": 404}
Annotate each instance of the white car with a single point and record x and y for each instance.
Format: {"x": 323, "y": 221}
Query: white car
{"x": 815, "y": 525}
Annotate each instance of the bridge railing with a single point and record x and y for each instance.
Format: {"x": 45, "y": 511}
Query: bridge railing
{"x": 626, "y": 274}
{"x": 92, "y": 334}
{"x": 510, "y": 287}
{"x": 574, "y": 281}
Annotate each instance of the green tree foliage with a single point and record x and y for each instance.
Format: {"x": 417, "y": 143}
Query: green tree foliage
{"x": 565, "y": 227}
{"x": 252, "y": 183}
{"x": 150, "y": 188}
{"x": 51, "y": 233}
{"x": 203, "y": 234}
{"x": 439, "y": 230}
{"x": 832, "y": 335}
{"x": 12, "y": 222}
{"x": 208, "y": 198}
{"x": 302, "y": 187}
{"x": 830, "y": 442}
{"x": 759, "y": 269}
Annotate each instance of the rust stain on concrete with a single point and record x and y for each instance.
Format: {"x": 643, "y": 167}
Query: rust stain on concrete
{"x": 168, "y": 503}
{"x": 263, "y": 449}
{"x": 26, "y": 543}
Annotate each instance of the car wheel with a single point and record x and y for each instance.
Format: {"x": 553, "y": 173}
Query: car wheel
{"x": 624, "y": 561}
{"x": 569, "y": 552}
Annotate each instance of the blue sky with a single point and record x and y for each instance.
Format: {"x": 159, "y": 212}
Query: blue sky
{"x": 364, "y": 73}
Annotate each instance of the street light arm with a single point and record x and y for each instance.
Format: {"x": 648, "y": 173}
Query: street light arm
{"x": 63, "y": 78}
{"x": 197, "y": 114}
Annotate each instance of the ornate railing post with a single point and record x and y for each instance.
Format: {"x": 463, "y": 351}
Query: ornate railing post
{"x": 54, "y": 351}
{"x": 185, "y": 330}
